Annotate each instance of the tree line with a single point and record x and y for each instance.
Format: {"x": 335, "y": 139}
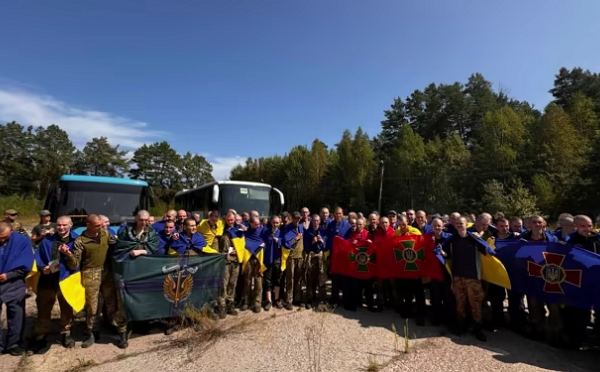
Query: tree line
{"x": 33, "y": 158}
{"x": 447, "y": 147}
{"x": 460, "y": 146}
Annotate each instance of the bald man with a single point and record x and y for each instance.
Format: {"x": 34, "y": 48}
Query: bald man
{"x": 16, "y": 261}
{"x": 90, "y": 251}
{"x": 575, "y": 319}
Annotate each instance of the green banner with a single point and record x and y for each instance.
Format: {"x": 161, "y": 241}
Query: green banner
{"x": 160, "y": 287}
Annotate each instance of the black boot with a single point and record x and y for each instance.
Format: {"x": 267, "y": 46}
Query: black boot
{"x": 478, "y": 332}
{"x": 222, "y": 312}
{"x": 67, "y": 341}
{"x": 231, "y": 310}
{"x": 35, "y": 346}
{"x": 123, "y": 343}
{"x": 89, "y": 341}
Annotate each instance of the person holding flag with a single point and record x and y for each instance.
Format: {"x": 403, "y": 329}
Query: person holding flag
{"x": 16, "y": 261}
{"x": 51, "y": 259}
{"x": 463, "y": 248}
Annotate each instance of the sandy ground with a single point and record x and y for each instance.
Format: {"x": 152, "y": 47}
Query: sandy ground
{"x": 303, "y": 340}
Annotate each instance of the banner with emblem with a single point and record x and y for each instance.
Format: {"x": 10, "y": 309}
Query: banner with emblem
{"x": 552, "y": 272}
{"x": 160, "y": 287}
{"x": 390, "y": 257}
{"x": 353, "y": 260}
{"x": 407, "y": 257}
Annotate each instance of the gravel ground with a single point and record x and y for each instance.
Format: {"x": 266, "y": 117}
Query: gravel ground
{"x": 279, "y": 341}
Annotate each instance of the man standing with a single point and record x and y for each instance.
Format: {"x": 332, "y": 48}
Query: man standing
{"x": 10, "y": 216}
{"x": 231, "y": 231}
{"x": 293, "y": 242}
{"x": 90, "y": 251}
{"x": 464, "y": 249}
{"x": 16, "y": 261}
{"x": 44, "y": 228}
{"x": 48, "y": 256}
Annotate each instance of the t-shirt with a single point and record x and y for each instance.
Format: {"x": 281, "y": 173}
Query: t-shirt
{"x": 39, "y": 229}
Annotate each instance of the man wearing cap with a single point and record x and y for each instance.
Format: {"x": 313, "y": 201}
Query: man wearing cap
{"x": 10, "y": 216}
{"x": 43, "y": 229}
{"x": 393, "y": 217}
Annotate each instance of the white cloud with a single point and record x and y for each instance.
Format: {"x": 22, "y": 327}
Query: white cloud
{"x": 222, "y": 166}
{"x": 29, "y": 108}
{"x": 42, "y": 110}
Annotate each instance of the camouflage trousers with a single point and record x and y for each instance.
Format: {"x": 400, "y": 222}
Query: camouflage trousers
{"x": 45, "y": 299}
{"x": 294, "y": 275}
{"x": 252, "y": 283}
{"x": 96, "y": 282}
{"x": 230, "y": 279}
{"x": 468, "y": 290}
{"x": 316, "y": 278}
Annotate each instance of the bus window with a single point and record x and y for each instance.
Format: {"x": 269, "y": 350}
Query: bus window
{"x": 244, "y": 198}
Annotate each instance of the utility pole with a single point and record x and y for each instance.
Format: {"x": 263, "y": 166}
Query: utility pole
{"x": 380, "y": 187}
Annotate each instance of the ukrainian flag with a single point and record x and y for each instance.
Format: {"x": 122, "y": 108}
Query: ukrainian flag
{"x": 69, "y": 280}
{"x": 492, "y": 270}
{"x": 238, "y": 241}
{"x": 253, "y": 247}
{"x": 209, "y": 234}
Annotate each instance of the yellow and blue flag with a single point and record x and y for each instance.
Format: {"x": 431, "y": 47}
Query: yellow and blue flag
{"x": 492, "y": 269}
{"x": 69, "y": 280}
{"x": 254, "y": 247}
{"x": 552, "y": 272}
{"x": 208, "y": 232}
{"x": 17, "y": 254}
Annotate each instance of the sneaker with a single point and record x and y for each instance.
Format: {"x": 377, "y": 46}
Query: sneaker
{"x": 268, "y": 306}
{"x": 278, "y": 304}
{"x": 244, "y": 307}
{"x": 289, "y": 306}
{"x": 307, "y": 306}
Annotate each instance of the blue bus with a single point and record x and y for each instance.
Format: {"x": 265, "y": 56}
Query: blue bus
{"x": 117, "y": 198}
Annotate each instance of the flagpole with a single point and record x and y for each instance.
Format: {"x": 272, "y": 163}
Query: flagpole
{"x": 380, "y": 187}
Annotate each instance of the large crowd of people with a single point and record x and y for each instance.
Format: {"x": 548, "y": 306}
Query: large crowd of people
{"x": 292, "y": 269}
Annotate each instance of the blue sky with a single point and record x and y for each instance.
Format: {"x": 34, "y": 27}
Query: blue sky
{"x": 262, "y": 76}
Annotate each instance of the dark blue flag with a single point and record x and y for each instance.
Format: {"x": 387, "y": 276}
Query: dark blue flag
{"x": 552, "y": 272}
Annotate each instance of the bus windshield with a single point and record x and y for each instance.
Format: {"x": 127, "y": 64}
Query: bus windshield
{"x": 244, "y": 198}
{"x": 112, "y": 200}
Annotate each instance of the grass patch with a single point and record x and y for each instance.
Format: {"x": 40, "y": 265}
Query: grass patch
{"x": 82, "y": 365}
{"x": 313, "y": 334}
{"x": 28, "y": 207}
{"x": 200, "y": 330}
{"x": 373, "y": 365}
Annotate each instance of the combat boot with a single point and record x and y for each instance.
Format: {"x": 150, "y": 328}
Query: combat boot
{"x": 222, "y": 312}
{"x": 231, "y": 310}
{"x": 67, "y": 341}
{"x": 89, "y": 341}
{"x": 123, "y": 343}
{"x": 256, "y": 309}
{"x": 35, "y": 346}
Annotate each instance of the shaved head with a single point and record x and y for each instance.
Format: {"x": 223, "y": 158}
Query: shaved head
{"x": 5, "y": 226}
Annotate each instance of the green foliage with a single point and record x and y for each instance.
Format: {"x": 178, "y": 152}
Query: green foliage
{"x": 32, "y": 159}
{"x": 28, "y": 207}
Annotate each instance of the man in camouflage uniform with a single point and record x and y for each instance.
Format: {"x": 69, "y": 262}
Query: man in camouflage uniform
{"x": 90, "y": 252}
{"x": 10, "y": 216}
{"x": 52, "y": 248}
{"x": 232, "y": 267}
{"x": 252, "y": 295}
